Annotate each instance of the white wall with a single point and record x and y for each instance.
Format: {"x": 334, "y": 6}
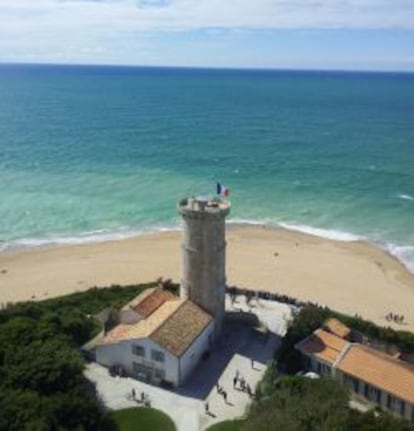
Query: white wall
{"x": 122, "y": 354}
{"x": 191, "y": 358}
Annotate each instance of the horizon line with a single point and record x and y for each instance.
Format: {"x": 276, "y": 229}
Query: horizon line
{"x": 217, "y": 68}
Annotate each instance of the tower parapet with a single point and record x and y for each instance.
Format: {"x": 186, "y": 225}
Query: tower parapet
{"x": 203, "y": 278}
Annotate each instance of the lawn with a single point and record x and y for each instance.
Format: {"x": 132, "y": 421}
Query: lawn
{"x": 234, "y": 425}
{"x": 138, "y": 419}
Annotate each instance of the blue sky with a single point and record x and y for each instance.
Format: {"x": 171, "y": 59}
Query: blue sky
{"x": 300, "y": 34}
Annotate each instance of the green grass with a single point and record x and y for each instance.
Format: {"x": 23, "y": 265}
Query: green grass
{"x": 234, "y": 425}
{"x": 139, "y": 419}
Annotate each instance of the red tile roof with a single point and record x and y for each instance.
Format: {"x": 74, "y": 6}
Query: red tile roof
{"x": 174, "y": 325}
{"x": 323, "y": 345}
{"x": 334, "y": 326}
{"x": 380, "y": 370}
{"x": 181, "y": 329}
{"x": 149, "y": 304}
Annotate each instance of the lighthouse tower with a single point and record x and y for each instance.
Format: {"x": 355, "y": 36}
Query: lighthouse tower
{"x": 203, "y": 277}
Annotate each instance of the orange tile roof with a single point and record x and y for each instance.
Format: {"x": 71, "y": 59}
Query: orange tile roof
{"x": 145, "y": 327}
{"x": 174, "y": 326}
{"x": 149, "y": 300}
{"x": 380, "y": 370}
{"x": 336, "y": 327}
{"x": 149, "y": 304}
{"x": 179, "y": 331}
{"x": 323, "y": 345}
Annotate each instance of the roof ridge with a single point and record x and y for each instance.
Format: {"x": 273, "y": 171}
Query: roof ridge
{"x": 162, "y": 323}
{"x": 386, "y": 356}
{"x": 144, "y": 295}
{"x": 342, "y": 354}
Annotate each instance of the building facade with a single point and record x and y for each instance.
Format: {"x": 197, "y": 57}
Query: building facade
{"x": 164, "y": 345}
{"x": 375, "y": 376}
{"x": 160, "y": 337}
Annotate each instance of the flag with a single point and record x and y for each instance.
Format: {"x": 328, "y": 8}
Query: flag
{"x": 222, "y": 190}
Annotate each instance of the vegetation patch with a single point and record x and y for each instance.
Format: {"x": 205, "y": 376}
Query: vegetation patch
{"x": 297, "y": 403}
{"x": 136, "y": 419}
{"x": 41, "y": 382}
{"x": 235, "y": 425}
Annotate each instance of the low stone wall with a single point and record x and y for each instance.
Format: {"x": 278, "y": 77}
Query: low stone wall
{"x": 252, "y": 294}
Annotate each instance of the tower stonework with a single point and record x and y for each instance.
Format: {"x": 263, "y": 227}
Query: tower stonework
{"x": 203, "y": 277}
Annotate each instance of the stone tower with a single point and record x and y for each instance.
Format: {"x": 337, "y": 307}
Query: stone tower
{"x": 203, "y": 277}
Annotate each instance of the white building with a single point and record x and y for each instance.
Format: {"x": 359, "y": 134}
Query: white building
{"x": 375, "y": 376}
{"x": 162, "y": 338}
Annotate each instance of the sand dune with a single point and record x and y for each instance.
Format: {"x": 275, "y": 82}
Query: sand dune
{"x": 353, "y": 277}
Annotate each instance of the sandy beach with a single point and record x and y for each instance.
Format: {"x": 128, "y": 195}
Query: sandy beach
{"x": 353, "y": 277}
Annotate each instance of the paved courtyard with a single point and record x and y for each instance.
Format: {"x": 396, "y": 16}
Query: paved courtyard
{"x": 238, "y": 347}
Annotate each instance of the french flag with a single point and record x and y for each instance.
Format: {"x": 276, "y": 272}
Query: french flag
{"x": 222, "y": 191}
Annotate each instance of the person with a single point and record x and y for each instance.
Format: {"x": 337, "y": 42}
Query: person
{"x": 242, "y": 384}
{"x": 225, "y": 396}
{"x": 252, "y": 363}
{"x": 234, "y": 382}
{"x": 133, "y": 393}
{"x": 206, "y": 408}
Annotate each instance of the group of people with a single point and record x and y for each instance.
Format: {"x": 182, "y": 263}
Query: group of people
{"x": 221, "y": 391}
{"x": 143, "y": 398}
{"x": 238, "y": 383}
{"x": 397, "y": 318}
{"x": 242, "y": 384}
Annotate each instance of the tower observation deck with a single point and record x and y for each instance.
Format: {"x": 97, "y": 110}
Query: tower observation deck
{"x": 203, "y": 277}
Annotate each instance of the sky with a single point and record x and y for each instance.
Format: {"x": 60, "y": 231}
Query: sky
{"x": 293, "y": 34}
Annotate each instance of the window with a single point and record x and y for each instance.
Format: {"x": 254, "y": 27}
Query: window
{"x": 142, "y": 372}
{"x": 402, "y": 408}
{"x": 352, "y": 382}
{"x": 396, "y": 405}
{"x": 323, "y": 369}
{"x": 159, "y": 374}
{"x": 138, "y": 350}
{"x": 158, "y": 356}
{"x": 372, "y": 393}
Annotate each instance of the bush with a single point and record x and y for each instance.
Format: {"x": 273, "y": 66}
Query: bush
{"x": 41, "y": 382}
{"x": 136, "y": 419}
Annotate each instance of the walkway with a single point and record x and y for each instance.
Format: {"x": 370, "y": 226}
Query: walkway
{"x": 186, "y": 406}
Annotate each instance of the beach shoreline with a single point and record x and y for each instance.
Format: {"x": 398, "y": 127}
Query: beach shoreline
{"x": 354, "y": 277}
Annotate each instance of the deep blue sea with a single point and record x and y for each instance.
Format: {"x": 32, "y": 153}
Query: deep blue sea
{"x": 89, "y": 153}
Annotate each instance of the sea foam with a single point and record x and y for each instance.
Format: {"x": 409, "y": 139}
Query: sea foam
{"x": 404, "y": 253}
{"x": 406, "y": 197}
{"x": 96, "y": 236}
{"x": 323, "y": 233}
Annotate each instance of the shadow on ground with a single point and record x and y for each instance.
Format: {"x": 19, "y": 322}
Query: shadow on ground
{"x": 238, "y": 338}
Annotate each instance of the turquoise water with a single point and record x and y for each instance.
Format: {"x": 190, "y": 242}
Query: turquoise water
{"x": 88, "y": 153}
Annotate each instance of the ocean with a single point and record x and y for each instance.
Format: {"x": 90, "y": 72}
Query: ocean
{"x": 90, "y": 153}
